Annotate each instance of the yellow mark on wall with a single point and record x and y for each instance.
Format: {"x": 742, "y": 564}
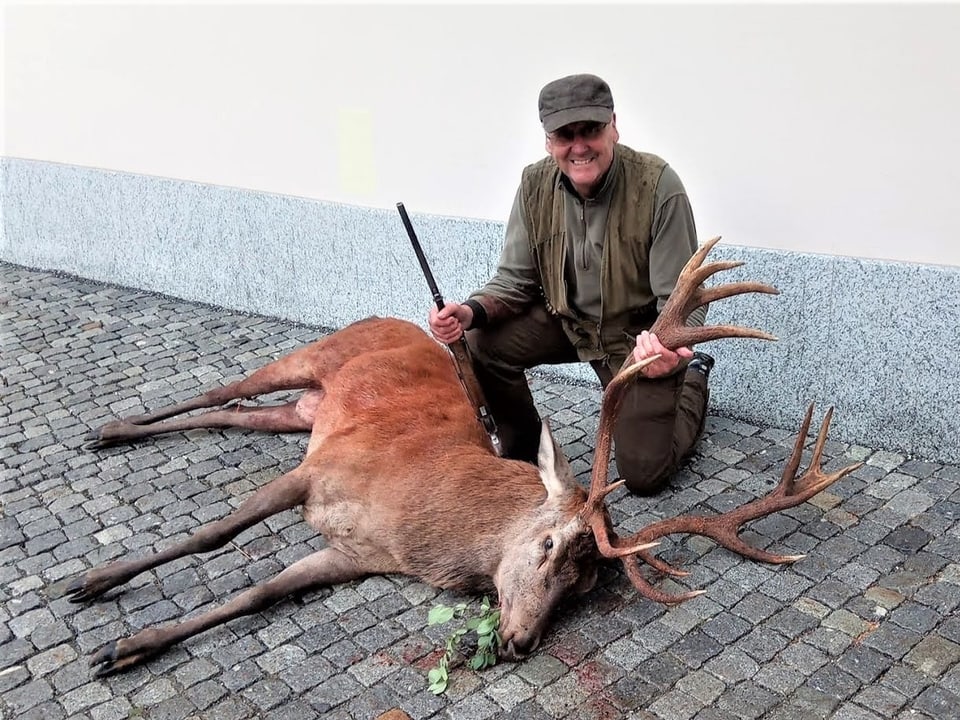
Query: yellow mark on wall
{"x": 355, "y": 135}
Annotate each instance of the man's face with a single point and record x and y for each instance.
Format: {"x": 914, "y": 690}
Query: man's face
{"x": 584, "y": 152}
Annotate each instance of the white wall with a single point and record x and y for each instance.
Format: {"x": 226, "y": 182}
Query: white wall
{"x": 828, "y": 129}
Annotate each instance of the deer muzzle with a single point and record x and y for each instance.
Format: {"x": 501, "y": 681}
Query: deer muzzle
{"x": 517, "y": 638}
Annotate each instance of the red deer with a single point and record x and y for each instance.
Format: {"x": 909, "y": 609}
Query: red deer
{"x": 400, "y": 477}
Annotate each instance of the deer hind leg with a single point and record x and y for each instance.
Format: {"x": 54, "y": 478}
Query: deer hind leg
{"x": 324, "y": 567}
{"x": 295, "y": 371}
{"x": 283, "y": 493}
{"x": 294, "y": 416}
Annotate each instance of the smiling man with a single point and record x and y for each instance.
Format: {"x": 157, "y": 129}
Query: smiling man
{"x": 594, "y": 244}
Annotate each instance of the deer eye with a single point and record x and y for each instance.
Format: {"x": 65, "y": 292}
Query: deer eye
{"x": 548, "y": 544}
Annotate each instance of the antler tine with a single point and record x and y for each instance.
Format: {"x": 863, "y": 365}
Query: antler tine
{"x": 691, "y": 335}
{"x": 793, "y": 463}
{"x": 719, "y": 292}
{"x": 821, "y": 437}
{"x": 670, "y": 326}
{"x": 649, "y": 591}
{"x": 723, "y": 529}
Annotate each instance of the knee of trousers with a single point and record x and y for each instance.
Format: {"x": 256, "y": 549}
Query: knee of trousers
{"x": 645, "y": 474}
{"x": 486, "y": 353}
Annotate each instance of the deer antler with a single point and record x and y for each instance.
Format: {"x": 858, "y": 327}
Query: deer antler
{"x": 670, "y": 327}
{"x": 724, "y": 529}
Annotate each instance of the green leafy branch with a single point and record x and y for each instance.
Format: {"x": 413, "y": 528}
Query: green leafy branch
{"x": 484, "y": 624}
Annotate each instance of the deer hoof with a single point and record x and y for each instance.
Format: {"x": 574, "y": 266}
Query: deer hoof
{"x": 119, "y": 655}
{"x": 77, "y": 591}
{"x": 104, "y": 660}
{"x": 82, "y": 589}
{"x": 111, "y": 433}
{"x": 95, "y": 440}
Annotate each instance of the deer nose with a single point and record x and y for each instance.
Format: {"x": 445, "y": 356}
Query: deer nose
{"x": 518, "y": 648}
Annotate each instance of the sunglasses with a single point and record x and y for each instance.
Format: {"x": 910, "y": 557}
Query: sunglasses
{"x": 586, "y": 131}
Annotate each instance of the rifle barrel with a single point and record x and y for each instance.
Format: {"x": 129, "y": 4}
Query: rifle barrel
{"x": 424, "y": 265}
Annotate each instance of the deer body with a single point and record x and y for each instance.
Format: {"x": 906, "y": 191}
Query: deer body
{"x": 400, "y": 477}
{"x": 401, "y": 399}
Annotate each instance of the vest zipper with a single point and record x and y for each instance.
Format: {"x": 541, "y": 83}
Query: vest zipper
{"x": 604, "y": 261}
{"x": 585, "y": 266}
{"x": 583, "y": 227}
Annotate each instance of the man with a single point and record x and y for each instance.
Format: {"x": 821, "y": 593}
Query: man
{"x": 596, "y": 239}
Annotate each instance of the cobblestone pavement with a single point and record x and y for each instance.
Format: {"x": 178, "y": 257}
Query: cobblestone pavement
{"x": 863, "y": 628}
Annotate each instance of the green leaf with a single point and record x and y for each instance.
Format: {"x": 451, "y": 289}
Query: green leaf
{"x": 487, "y": 626}
{"x": 439, "y": 615}
{"x": 438, "y": 678}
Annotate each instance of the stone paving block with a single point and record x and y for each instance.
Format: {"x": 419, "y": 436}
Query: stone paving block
{"x": 747, "y": 700}
{"x": 933, "y": 656}
{"x": 117, "y": 708}
{"x": 46, "y": 711}
{"x": 732, "y": 666}
{"x": 937, "y": 702}
{"x": 702, "y": 686}
{"x": 725, "y": 628}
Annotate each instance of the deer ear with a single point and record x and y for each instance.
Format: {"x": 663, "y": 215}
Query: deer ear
{"x": 555, "y": 471}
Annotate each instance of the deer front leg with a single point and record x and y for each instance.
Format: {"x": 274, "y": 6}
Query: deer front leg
{"x": 324, "y": 567}
{"x": 283, "y": 493}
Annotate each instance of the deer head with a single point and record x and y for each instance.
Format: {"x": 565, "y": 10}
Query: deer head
{"x": 546, "y": 559}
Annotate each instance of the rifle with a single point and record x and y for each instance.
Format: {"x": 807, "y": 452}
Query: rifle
{"x": 458, "y": 349}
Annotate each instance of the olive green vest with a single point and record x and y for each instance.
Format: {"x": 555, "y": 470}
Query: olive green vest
{"x": 625, "y": 290}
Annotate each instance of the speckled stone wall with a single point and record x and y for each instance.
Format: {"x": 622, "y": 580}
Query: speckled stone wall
{"x": 875, "y": 339}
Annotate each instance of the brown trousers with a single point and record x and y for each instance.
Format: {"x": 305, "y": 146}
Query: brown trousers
{"x": 659, "y": 423}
